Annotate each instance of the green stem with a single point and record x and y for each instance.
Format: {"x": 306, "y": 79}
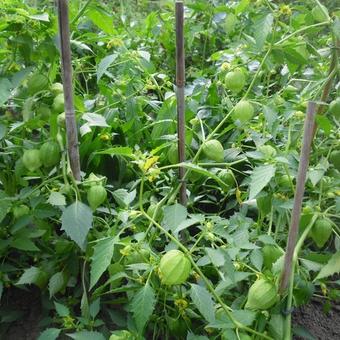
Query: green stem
{"x": 81, "y": 12}
{"x": 299, "y": 244}
{"x": 210, "y": 287}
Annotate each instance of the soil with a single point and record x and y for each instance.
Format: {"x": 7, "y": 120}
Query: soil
{"x": 320, "y": 325}
{"x": 27, "y": 306}
{"x": 310, "y": 319}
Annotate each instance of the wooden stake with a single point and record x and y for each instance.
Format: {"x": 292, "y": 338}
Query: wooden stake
{"x": 299, "y": 192}
{"x": 180, "y": 83}
{"x": 71, "y": 126}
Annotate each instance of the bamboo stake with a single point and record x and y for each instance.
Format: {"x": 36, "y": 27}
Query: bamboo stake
{"x": 299, "y": 192}
{"x": 180, "y": 83}
{"x": 71, "y": 126}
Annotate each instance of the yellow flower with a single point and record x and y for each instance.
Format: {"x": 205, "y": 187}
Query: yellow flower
{"x": 285, "y": 10}
{"x": 181, "y": 304}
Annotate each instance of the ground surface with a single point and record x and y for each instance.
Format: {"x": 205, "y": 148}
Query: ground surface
{"x": 311, "y": 317}
{"x": 27, "y": 305}
{"x": 319, "y": 324}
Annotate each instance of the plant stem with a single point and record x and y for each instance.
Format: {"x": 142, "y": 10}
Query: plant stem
{"x": 288, "y": 320}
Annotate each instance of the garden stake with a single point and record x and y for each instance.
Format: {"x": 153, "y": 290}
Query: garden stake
{"x": 300, "y": 188}
{"x": 71, "y": 126}
{"x": 180, "y": 82}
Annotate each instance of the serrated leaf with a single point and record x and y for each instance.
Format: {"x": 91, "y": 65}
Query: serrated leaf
{"x": 174, "y": 215}
{"x": 123, "y": 197}
{"x": 77, "y": 221}
{"x": 260, "y": 177}
{"x": 263, "y": 27}
{"x": 142, "y": 306}
{"x": 332, "y": 267}
{"x": 49, "y": 334}
{"x": 203, "y": 301}
{"x": 61, "y": 309}
{"x": 104, "y": 64}
{"x": 56, "y": 283}
{"x": 56, "y": 198}
{"x": 101, "y": 259}
{"x": 29, "y": 276}
{"x": 95, "y": 119}
{"x": 86, "y": 335}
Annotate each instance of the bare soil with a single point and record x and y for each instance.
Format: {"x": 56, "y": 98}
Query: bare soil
{"x": 27, "y": 306}
{"x": 319, "y": 325}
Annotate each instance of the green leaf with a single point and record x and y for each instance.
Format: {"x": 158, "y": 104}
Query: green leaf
{"x": 102, "y": 20}
{"x": 260, "y": 177}
{"x": 50, "y": 334}
{"x": 104, "y": 64}
{"x": 56, "y": 198}
{"x": 324, "y": 123}
{"x": 263, "y": 27}
{"x": 56, "y": 283}
{"x": 29, "y": 276}
{"x": 242, "y": 6}
{"x": 86, "y": 335}
{"x": 40, "y": 17}
{"x": 256, "y": 259}
{"x": 101, "y": 259}
{"x": 142, "y": 306}
{"x": 331, "y": 268}
{"x": 24, "y": 244}
{"x": 77, "y": 221}
{"x": 5, "y": 90}
{"x": 4, "y": 208}
{"x": 118, "y": 151}
{"x": 203, "y": 301}
{"x": 174, "y": 215}
{"x": 123, "y": 197}
{"x": 245, "y": 317}
{"x": 61, "y": 309}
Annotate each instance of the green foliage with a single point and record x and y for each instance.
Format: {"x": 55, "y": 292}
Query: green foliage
{"x": 94, "y": 247}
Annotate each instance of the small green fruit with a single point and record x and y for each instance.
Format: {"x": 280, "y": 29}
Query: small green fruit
{"x": 57, "y": 88}
{"x": 61, "y": 120}
{"x": 321, "y": 231}
{"x": 20, "y": 210}
{"x": 235, "y": 80}
{"x": 58, "y": 103}
{"x": 174, "y": 268}
{"x": 151, "y": 210}
{"x": 262, "y": 295}
{"x": 173, "y": 154}
{"x": 334, "y": 158}
{"x": 50, "y": 154}
{"x": 31, "y": 159}
{"x": 213, "y": 150}
{"x": 334, "y": 108}
{"x": 267, "y": 150}
{"x": 96, "y": 195}
{"x": 227, "y": 177}
{"x": 243, "y": 112}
